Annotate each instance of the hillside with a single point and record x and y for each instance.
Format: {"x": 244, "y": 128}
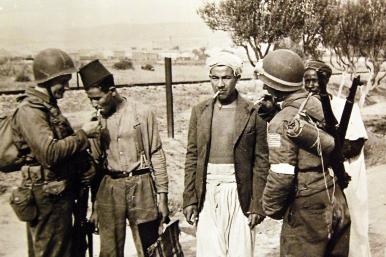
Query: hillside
{"x": 114, "y": 37}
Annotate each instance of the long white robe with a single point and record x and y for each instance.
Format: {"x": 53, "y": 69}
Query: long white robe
{"x": 356, "y": 192}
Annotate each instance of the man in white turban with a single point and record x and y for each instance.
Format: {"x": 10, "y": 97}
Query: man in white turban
{"x": 226, "y": 165}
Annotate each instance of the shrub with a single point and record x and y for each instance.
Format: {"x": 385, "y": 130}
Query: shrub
{"x": 124, "y": 65}
{"x": 22, "y": 75}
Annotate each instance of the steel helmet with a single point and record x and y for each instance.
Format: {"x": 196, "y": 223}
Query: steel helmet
{"x": 282, "y": 70}
{"x": 51, "y": 63}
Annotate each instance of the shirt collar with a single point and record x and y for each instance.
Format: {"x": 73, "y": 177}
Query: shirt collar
{"x": 35, "y": 93}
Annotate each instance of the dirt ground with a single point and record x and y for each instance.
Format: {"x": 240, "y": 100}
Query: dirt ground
{"x": 13, "y": 236}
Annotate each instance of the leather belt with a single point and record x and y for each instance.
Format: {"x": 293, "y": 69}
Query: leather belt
{"x": 313, "y": 169}
{"x": 115, "y": 174}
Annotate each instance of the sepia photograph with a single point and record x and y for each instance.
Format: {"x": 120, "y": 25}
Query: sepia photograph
{"x": 183, "y": 128}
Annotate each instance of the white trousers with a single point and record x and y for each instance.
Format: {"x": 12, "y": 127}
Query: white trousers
{"x": 222, "y": 229}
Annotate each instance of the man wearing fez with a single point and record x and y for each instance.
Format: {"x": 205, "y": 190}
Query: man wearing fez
{"x": 134, "y": 155}
{"x": 226, "y": 165}
{"x": 300, "y": 188}
{"x": 356, "y": 192}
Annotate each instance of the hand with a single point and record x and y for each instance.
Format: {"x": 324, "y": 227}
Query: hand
{"x": 191, "y": 214}
{"x": 254, "y": 219}
{"x": 94, "y": 219}
{"x": 92, "y": 128}
{"x": 163, "y": 208}
{"x": 323, "y": 80}
{"x": 87, "y": 176}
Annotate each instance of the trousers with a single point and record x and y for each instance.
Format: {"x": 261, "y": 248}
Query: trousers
{"x": 222, "y": 228}
{"x": 315, "y": 227}
{"x": 119, "y": 200}
{"x": 49, "y": 235}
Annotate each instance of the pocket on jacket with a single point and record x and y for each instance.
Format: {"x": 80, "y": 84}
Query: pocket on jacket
{"x": 23, "y": 204}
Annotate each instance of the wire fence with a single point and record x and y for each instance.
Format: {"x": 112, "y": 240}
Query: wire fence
{"x": 155, "y": 84}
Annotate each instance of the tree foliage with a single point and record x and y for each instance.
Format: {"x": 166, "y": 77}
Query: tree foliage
{"x": 312, "y": 18}
{"x": 252, "y": 24}
{"x": 350, "y": 29}
{"x": 358, "y": 29}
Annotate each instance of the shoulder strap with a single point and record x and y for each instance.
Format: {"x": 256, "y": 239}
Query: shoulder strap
{"x": 144, "y": 159}
{"x": 301, "y": 106}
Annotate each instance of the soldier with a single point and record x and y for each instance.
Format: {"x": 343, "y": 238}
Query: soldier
{"x": 300, "y": 189}
{"x": 356, "y": 192}
{"x": 134, "y": 155}
{"x": 55, "y": 155}
{"x": 226, "y": 165}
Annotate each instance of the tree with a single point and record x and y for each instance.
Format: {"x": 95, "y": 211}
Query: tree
{"x": 357, "y": 29}
{"x": 260, "y": 24}
{"x": 253, "y": 24}
{"x": 373, "y": 42}
{"x": 313, "y": 16}
{"x": 200, "y": 53}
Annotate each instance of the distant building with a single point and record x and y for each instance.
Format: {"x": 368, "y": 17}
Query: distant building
{"x": 190, "y": 58}
{"x": 145, "y": 57}
{"x": 88, "y": 55}
{"x": 119, "y": 54}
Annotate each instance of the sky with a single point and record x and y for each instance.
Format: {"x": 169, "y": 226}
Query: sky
{"x": 49, "y": 14}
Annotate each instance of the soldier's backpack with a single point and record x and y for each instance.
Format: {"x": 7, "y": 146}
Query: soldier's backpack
{"x": 10, "y": 159}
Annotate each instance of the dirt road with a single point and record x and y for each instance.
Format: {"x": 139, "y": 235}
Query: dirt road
{"x": 13, "y": 239}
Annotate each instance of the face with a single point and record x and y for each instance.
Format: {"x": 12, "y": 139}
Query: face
{"x": 311, "y": 83}
{"x": 59, "y": 85}
{"x": 224, "y": 81}
{"x": 102, "y": 101}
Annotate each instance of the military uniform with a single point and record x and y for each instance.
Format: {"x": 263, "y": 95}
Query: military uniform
{"x": 316, "y": 218}
{"x": 55, "y": 153}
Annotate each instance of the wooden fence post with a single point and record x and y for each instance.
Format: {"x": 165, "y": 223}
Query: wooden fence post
{"x": 169, "y": 96}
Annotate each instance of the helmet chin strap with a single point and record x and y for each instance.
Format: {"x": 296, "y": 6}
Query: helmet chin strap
{"x": 52, "y": 98}
{"x": 47, "y": 86}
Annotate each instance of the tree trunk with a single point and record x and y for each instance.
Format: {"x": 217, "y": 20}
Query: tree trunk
{"x": 365, "y": 91}
{"x": 341, "y": 85}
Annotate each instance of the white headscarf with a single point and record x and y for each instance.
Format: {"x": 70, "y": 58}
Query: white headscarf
{"x": 226, "y": 58}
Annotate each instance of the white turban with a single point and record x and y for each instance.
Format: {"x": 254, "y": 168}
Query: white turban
{"x": 226, "y": 58}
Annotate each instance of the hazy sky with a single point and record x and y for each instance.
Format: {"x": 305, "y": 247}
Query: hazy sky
{"x": 65, "y": 13}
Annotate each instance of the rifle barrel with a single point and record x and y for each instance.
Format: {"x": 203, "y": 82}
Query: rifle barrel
{"x": 344, "y": 120}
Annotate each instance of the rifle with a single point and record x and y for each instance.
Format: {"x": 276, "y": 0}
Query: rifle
{"x": 338, "y": 131}
{"x": 83, "y": 229}
{"x": 344, "y": 120}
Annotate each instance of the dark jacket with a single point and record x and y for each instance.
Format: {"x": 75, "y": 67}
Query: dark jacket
{"x": 250, "y": 155}
{"x": 280, "y": 187}
{"x": 44, "y": 134}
